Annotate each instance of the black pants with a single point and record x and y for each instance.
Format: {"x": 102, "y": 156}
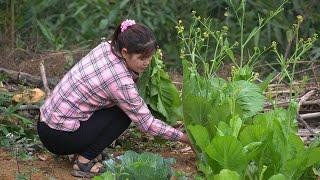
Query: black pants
{"x": 92, "y": 137}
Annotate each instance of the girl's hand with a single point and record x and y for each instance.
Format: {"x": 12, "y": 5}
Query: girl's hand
{"x": 186, "y": 140}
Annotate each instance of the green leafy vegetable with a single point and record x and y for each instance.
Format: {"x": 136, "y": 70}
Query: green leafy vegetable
{"x": 159, "y": 92}
{"x": 226, "y": 174}
{"x": 228, "y": 152}
{"x": 132, "y": 165}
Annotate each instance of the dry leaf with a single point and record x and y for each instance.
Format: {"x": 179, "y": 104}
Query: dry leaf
{"x": 29, "y": 96}
{"x": 43, "y": 157}
{"x": 186, "y": 150}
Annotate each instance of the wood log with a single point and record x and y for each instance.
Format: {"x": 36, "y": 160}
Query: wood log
{"x": 21, "y": 77}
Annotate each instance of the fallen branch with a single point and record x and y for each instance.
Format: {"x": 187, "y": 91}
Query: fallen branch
{"x": 277, "y": 92}
{"x": 28, "y": 107}
{"x": 44, "y": 78}
{"x": 310, "y": 115}
{"x": 305, "y": 97}
{"x": 299, "y": 117}
{"x": 26, "y": 78}
{"x": 314, "y": 102}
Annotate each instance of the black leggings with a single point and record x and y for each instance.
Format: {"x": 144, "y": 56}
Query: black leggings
{"x": 92, "y": 137}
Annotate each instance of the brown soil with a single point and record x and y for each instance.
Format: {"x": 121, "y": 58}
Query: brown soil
{"x": 185, "y": 162}
{"x": 59, "y": 167}
{"x": 35, "y": 169}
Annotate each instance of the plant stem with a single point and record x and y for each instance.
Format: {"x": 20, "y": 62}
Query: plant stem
{"x": 241, "y": 33}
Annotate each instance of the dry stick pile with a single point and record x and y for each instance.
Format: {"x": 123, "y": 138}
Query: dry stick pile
{"x": 308, "y": 112}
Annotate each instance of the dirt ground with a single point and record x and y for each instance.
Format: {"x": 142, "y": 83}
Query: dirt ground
{"x": 56, "y": 63}
{"x": 58, "y": 167}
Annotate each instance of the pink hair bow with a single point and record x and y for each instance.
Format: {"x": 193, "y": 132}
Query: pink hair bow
{"x": 127, "y": 23}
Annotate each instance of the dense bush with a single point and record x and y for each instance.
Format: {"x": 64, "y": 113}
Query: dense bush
{"x": 42, "y": 25}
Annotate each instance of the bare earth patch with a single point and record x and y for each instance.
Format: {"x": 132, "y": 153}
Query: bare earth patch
{"x": 59, "y": 167}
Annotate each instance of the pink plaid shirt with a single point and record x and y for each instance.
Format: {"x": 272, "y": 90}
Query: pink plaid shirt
{"x": 100, "y": 80}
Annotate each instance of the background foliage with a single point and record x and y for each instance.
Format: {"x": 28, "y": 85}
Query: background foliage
{"x": 40, "y": 25}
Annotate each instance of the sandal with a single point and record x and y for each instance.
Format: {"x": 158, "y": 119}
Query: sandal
{"x": 72, "y": 157}
{"x": 100, "y": 158}
{"x": 85, "y": 169}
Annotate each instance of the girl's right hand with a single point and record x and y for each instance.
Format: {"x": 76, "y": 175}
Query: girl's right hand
{"x": 186, "y": 140}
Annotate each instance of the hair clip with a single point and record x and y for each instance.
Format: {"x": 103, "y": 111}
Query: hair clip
{"x": 127, "y": 23}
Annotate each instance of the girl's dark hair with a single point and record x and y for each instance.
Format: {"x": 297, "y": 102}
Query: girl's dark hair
{"x": 136, "y": 39}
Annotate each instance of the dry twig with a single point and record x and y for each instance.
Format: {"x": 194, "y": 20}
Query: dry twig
{"x": 315, "y": 74}
{"x": 44, "y": 78}
{"x": 299, "y": 118}
{"x": 28, "y": 107}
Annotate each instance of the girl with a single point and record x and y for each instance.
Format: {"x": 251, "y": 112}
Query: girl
{"x": 97, "y": 99}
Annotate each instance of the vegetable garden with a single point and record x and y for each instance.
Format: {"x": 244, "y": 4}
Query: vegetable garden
{"x": 245, "y": 121}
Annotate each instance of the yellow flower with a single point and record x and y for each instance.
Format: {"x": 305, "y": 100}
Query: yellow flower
{"x": 225, "y": 28}
{"x": 205, "y": 34}
{"x": 300, "y": 18}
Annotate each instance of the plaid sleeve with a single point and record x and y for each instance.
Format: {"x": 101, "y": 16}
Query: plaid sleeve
{"x": 125, "y": 93}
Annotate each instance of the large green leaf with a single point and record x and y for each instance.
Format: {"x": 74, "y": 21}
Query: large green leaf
{"x": 264, "y": 150}
{"x": 224, "y": 129}
{"x": 231, "y": 129}
{"x": 247, "y": 98}
{"x": 196, "y": 110}
{"x": 254, "y": 133}
{"x": 221, "y": 111}
{"x": 235, "y": 124}
{"x": 105, "y": 176}
{"x": 278, "y": 177}
{"x": 228, "y": 152}
{"x": 295, "y": 145}
{"x": 200, "y": 135}
{"x": 295, "y": 167}
{"x": 226, "y": 174}
{"x": 254, "y": 138}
